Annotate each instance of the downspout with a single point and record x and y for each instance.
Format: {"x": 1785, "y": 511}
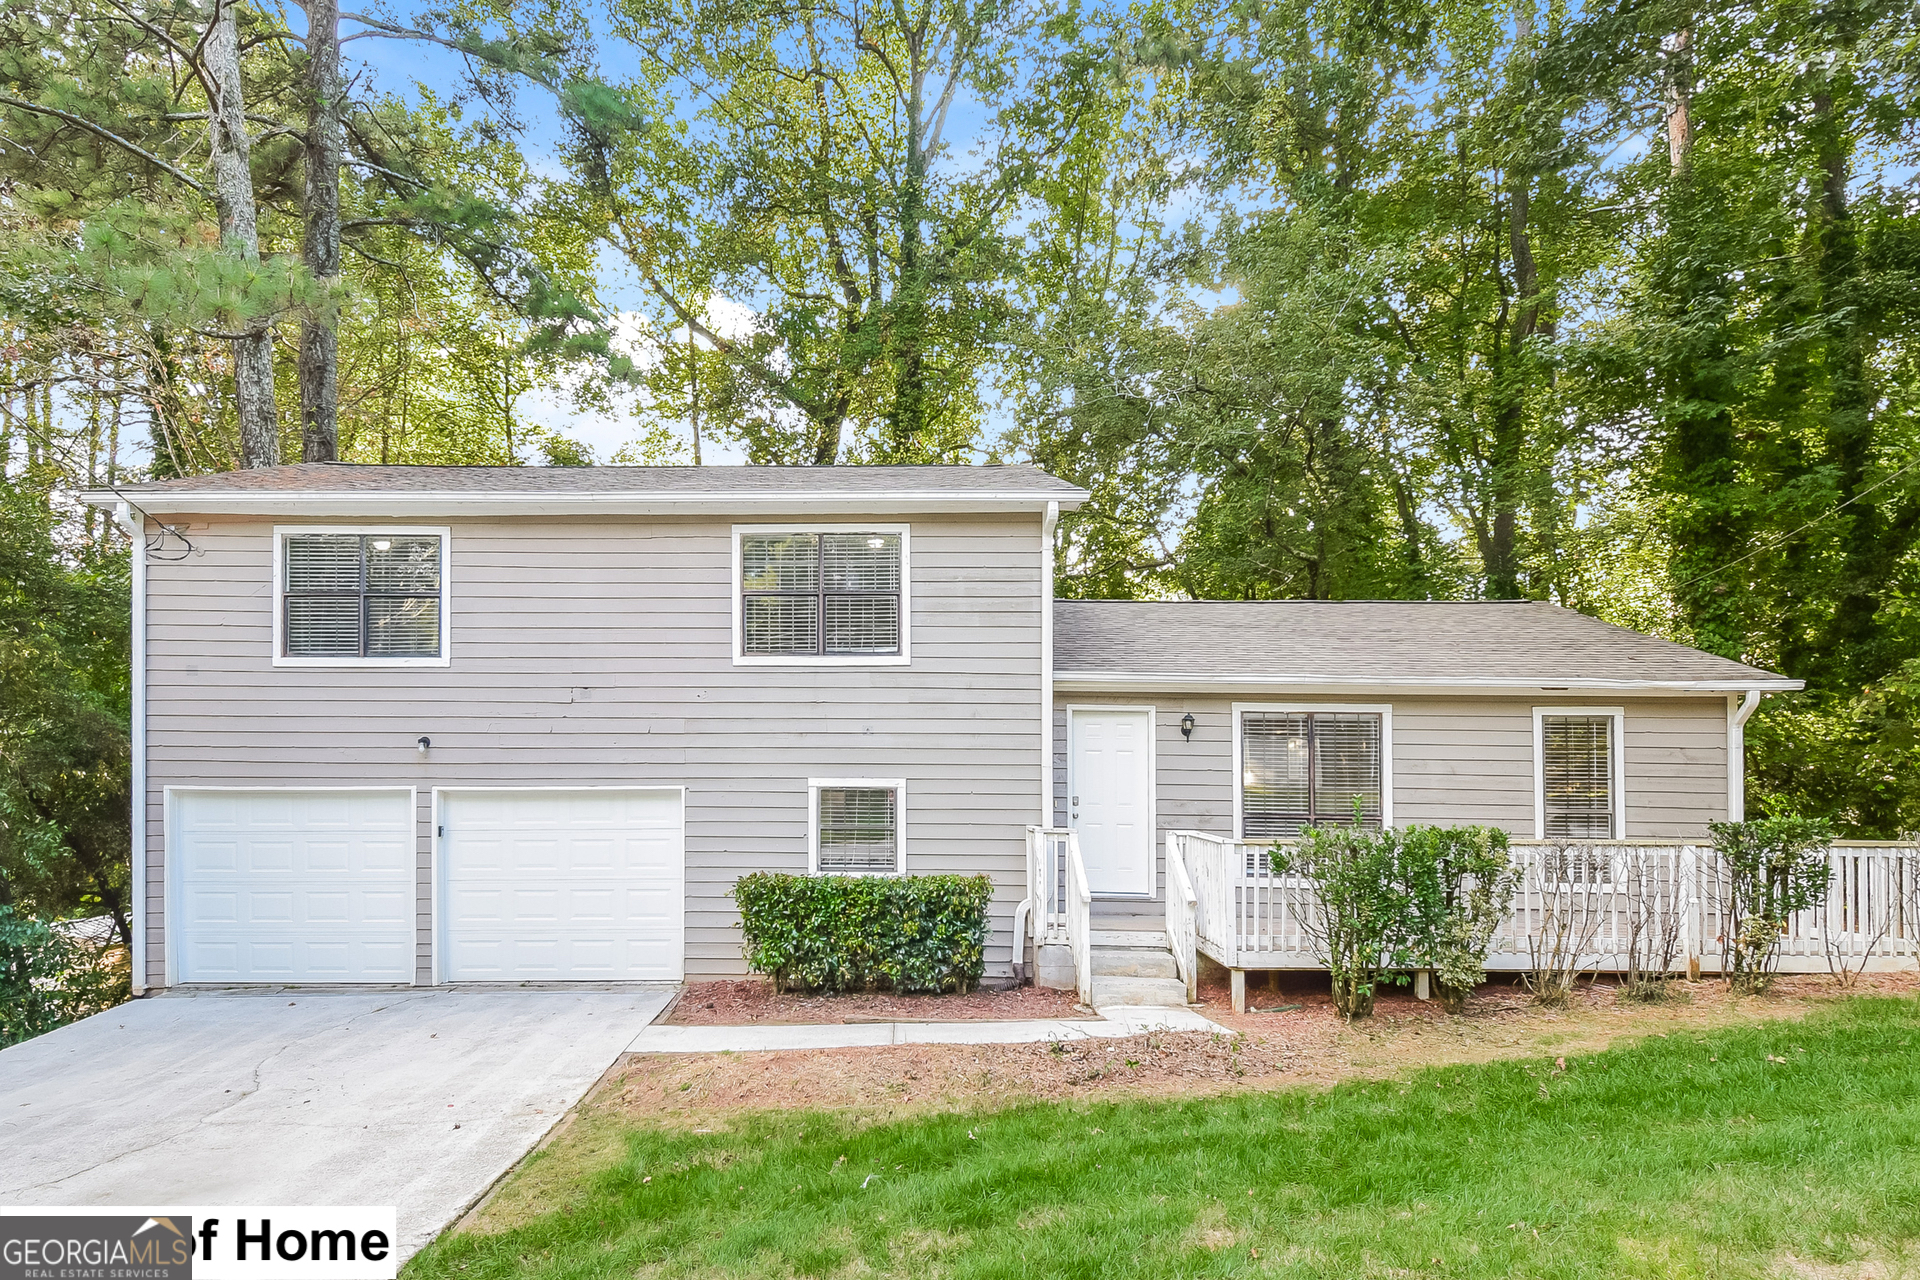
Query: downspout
{"x": 135, "y": 527}
{"x": 1047, "y": 525}
{"x": 1023, "y": 914}
{"x": 1737, "y": 717}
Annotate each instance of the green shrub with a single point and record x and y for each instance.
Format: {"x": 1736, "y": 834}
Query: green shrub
{"x": 1358, "y": 918}
{"x": 1773, "y": 868}
{"x": 1459, "y": 886}
{"x": 840, "y": 933}
{"x": 1392, "y": 900}
{"x": 48, "y": 979}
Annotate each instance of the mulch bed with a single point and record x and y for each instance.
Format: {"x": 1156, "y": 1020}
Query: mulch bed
{"x": 752, "y": 1002}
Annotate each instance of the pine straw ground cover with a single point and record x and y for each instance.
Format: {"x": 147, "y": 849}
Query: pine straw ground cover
{"x": 1719, "y": 1137}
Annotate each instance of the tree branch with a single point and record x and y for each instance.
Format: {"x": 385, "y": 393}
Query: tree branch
{"x": 80, "y": 122}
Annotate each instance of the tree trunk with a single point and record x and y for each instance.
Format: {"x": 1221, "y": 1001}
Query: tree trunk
{"x": 319, "y": 334}
{"x": 907, "y": 420}
{"x": 1501, "y": 555}
{"x": 229, "y": 147}
{"x": 1679, "y": 94}
{"x": 1709, "y": 529}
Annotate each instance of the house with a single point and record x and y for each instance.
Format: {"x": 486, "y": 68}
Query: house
{"x": 465, "y": 724}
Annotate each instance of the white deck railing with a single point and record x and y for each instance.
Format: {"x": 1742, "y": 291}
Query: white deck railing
{"x": 1182, "y": 905}
{"x": 1058, "y": 900}
{"x": 1602, "y": 903}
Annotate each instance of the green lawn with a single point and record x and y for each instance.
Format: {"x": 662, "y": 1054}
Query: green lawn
{"x": 1695, "y": 1155}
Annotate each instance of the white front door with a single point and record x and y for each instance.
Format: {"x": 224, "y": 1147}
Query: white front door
{"x": 1110, "y": 798}
{"x": 555, "y": 885}
{"x": 298, "y": 885}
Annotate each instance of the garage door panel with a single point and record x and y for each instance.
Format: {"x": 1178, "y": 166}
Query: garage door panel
{"x": 294, "y": 886}
{"x": 273, "y": 855}
{"x": 563, "y": 886}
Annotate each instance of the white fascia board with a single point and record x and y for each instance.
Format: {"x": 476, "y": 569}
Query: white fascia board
{"x": 1123, "y": 681}
{"x": 427, "y": 503}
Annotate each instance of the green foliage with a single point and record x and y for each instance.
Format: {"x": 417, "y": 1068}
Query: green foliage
{"x": 63, "y": 718}
{"x": 1395, "y": 899}
{"x": 1774, "y": 867}
{"x": 1460, "y": 883}
{"x": 48, "y": 979}
{"x": 838, "y": 933}
{"x": 1361, "y": 909}
{"x": 1715, "y": 1154}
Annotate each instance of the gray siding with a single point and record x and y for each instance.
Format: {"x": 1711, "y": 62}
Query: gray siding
{"x": 600, "y": 653}
{"x": 1455, "y": 760}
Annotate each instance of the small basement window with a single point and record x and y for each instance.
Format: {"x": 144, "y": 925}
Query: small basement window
{"x": 825, "y": 594}
{"x": 363, "y": 596}
{"x": 857, "y": 827}
{"x": 1579, "y": 789}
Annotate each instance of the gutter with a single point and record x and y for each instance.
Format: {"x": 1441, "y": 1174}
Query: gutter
{"x": 1737, "y": 717}
{"x": 135, "y": 527}
{"x": 447, "y": 502}
{"x": 1097, "y": 681}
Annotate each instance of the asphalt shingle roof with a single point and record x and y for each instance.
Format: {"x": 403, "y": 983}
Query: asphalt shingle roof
{"x": 340, "y": 477}
{"x": 1386, "y": 641}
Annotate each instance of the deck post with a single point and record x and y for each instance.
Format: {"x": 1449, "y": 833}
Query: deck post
{"x": 1239, "y": 980}
{"x": 1423, "y": 984}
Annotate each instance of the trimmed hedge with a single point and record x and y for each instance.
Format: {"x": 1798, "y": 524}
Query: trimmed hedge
{"x": 839, "y": 933}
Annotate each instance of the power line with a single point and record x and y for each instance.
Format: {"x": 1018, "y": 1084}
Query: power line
{"x": 1782, "y": 541}
{"x": 116, "y": 490}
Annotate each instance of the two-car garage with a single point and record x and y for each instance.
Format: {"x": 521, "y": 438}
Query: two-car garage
{"x": 325, "y": 885}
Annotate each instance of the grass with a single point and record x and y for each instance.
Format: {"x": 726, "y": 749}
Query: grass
{"x": 1775, "y": 1150}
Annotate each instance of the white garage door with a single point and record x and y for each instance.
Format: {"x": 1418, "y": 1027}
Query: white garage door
{"x": 562, "y": 885}
{"x": 292, "y": 886}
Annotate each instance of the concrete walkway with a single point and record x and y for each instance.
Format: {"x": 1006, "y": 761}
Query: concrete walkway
{"x": 413, "y": 1098}
{"x": 1117, "y": 1020}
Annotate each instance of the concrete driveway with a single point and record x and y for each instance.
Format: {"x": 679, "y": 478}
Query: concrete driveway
{"x": 419, "y": 1099}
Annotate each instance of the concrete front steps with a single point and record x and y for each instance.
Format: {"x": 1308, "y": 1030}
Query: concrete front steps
{"x": 1135, "y": 967}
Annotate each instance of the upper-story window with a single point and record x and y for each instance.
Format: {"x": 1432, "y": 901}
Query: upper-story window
{"x": 1302, "y": 769}
{"x": 825, "y": 594}
{"x": 361, "y": 596}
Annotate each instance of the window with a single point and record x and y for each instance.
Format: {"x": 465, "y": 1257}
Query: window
{"x": 1309, "y": 769}
{"x": 857, "y": 826}
{"x": 360, "y": 596}
{"x": 1578, "y": 791}
{"x": 822, "y": 595}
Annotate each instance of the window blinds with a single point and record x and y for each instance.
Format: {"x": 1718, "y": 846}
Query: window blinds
{"x": 1305, "y": 769}
{"x": 858, "y": 832}
{"x": 1577, "y": 777}
{"x": 362, "y": 595}
{"x": 820, "y": 593}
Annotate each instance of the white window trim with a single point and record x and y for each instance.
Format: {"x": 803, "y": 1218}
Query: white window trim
{"x": 899, "y": 788}
{"x": 743, "y": 659}
{"x": 279, "y": 590}
{"x": 172, "y": 884}
{"x": 1618, "y": 736}
{"x": 1381, "y": 709}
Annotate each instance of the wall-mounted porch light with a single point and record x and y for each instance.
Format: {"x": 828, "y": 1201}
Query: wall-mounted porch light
{"x": 1186, "y": 726}
{"x": 423, "y": 744}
